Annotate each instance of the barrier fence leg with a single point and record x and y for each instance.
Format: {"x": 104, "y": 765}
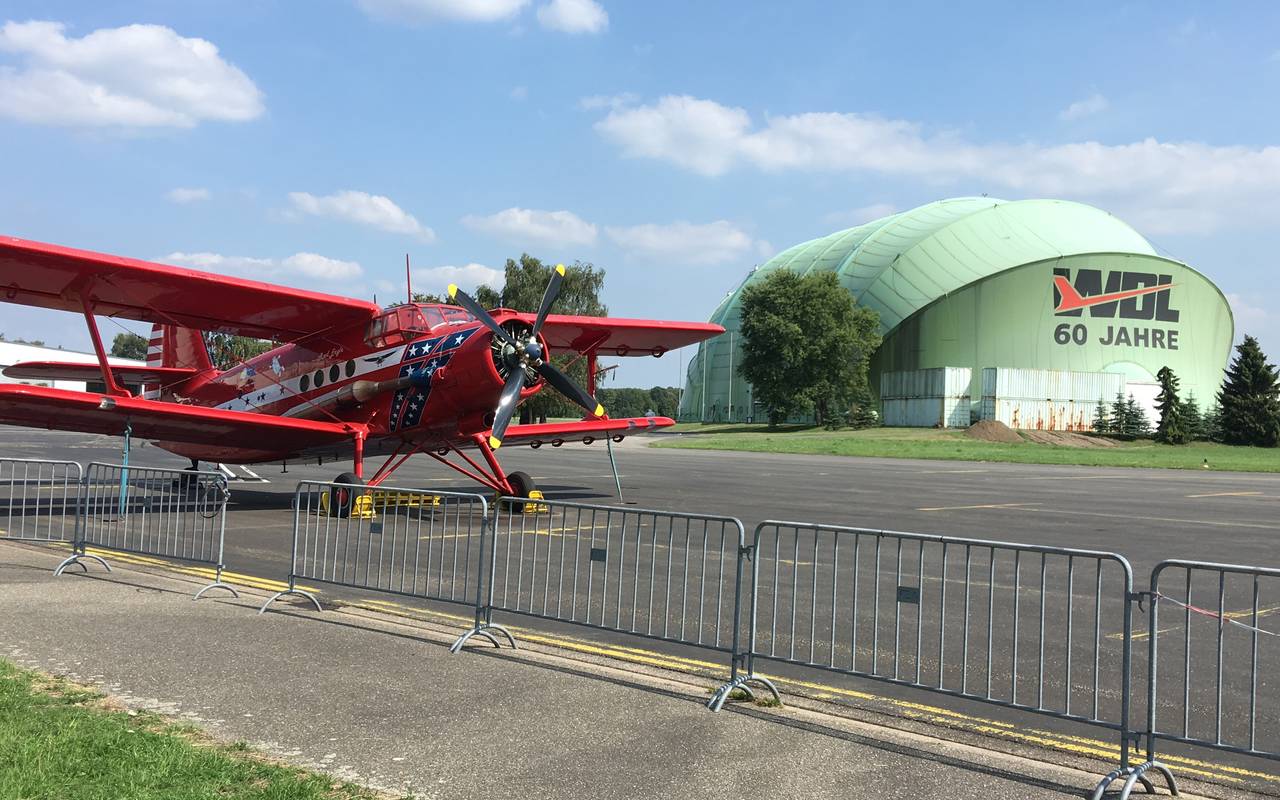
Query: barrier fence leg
{"x": 293, "y": 559}
{"x": 217, "y": 584}
{"x": 484, "y": 624}
{"x": 78, "y": 550}
{"x": 742, "y": 666}
{"x": 1131, "y": 774}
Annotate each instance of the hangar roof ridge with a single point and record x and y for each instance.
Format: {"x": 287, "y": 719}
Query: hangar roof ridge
{"x": 902, "y": 262}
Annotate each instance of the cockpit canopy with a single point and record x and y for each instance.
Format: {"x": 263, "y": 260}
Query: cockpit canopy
{"x": 411, "y": 320}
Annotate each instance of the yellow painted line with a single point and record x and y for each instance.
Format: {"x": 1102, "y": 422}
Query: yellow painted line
{"x": 1243, "y": 614}
{"x": 1227, "y": 494}
{"x": 1047, "y": 739}
{"x": 988, "y": 505}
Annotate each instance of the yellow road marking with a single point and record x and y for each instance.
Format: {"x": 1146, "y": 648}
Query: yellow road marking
{"x": 1227, "y": 494}
{"x": 989, "y": 505}
{"x": 1047, "y": 739}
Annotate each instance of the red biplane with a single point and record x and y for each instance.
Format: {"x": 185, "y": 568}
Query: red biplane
{"x": 349, "y": 379}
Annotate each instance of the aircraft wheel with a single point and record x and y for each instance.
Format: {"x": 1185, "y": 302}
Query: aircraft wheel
{"x": 521, "y": 485}
{"x": 343, "y": 498}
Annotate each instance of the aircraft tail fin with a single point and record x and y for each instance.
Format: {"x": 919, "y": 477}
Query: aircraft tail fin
{"x": 173, "y": 346}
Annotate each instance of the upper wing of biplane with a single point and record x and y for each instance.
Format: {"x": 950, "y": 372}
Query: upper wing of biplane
{"x": 51, "y": 276}
{"x": 618, "y": 336}
{"x": 60, "y": 409}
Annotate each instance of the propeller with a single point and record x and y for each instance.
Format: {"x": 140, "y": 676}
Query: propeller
{"x": 519, "y": 351}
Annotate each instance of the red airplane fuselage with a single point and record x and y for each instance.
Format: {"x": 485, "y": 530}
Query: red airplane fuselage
{"x": 418, "y": 374}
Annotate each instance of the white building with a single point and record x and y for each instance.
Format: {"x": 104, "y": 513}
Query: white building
{"x": 13, "y": 353}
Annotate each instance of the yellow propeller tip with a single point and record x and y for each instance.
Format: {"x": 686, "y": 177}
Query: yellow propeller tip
{"x": 560, "y": 269}
{"x": 453, "y": 290}
{"x": 599, "y": 412}
{"x": 494, "y": 442}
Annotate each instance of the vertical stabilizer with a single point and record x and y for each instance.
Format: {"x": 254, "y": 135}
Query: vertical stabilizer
{"x": 172, "y": 346}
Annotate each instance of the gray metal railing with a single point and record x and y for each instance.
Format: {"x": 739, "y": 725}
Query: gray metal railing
{"x": 656, "y": 574}
{"x": 1218, "y": 680}
{"x": 1021, "y": 626}
{"x": 151, "y": 511}
{"x": 421, "y": 543}
{"x": 38, "y": 499}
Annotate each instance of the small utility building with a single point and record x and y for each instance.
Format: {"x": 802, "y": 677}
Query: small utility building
{"x": 1048, "y": 305}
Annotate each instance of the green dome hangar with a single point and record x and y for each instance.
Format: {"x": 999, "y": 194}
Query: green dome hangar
{"x": 1033, "y": 288}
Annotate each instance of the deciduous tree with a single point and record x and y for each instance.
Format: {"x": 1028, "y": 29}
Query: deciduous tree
{"x": 806, "y": 345}
{"x": 129, "y": 345}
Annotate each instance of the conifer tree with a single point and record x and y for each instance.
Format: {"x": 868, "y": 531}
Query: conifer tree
{"x": 1101, "y": 418}
{"x": 1171, "y": 429}
{"x": 1135, "y": 419}
{"x": 1250, "y": 398}
{"x": 1193, "y": 419}
{"x": 1213, "y": 423}
{"x": 1119, "y": 414}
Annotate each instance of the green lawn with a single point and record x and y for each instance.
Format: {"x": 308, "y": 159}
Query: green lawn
{"x": 60, "y": 742}
{"x": 956, "y": 446}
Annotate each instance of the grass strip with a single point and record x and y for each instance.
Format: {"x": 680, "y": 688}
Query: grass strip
{"x": 951, "y": 445}
{"x": 61, "y": 741}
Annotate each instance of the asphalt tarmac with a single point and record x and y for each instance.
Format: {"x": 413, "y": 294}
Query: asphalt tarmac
{"x": 1143, "y": 515}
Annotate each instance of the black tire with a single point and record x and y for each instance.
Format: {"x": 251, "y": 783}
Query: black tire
{"x": 521, "y": 486}
{"x": 343, "y": 498}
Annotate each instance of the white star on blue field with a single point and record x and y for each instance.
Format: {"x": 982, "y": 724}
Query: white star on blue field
{"x": 674, "y": 144}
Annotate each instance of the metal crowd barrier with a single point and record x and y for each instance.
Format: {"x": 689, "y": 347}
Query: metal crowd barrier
{"x": 1014, "y": 625}
{"x": 1217, "y": 686}
{"x": 38, "y": 499}
{"x": 657, "y": 574}
{"x": 171, "y": 513}
{"x": 419, "y": 543}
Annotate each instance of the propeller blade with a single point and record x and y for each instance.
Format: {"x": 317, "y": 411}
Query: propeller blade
{"x": 463, "y": 299}
{"x": 549, "y": 297}
{"x": 506, "y": 406}
{"x": 570, "y": 389}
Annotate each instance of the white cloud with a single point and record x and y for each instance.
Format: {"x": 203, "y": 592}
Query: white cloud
{"x": 362, "y": 208}
{"x": 299, "y": 265}
{"x": 520, "y": 93}
{"x": 183, "y": 196}
{"x": 526, "y": 225}
{"x": 685, "y": 242}
{"x": 597, "y": 101}
{"x": 1162, "y": 186}
{"x": 437, "y": 279}
{"x": 1093, "y": 104}
{"x": 857, "y": 216}
{"x": 455, "y": 10}
{"x": 573, "y": 16}
{"x": 135, "y": 76}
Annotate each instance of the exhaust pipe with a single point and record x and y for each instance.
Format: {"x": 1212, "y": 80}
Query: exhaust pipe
{"x": 359, "y": 392}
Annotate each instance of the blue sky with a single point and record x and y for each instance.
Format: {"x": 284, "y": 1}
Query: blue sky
{"x": 674, "y": 144}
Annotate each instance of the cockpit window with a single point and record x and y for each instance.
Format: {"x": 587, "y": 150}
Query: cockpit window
{"x": 455, "y": 315}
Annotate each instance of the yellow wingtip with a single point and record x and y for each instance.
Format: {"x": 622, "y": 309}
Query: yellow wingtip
{"x": 453, "y": 290}
{"x": 495, "y": 442}
{"x": 599, "y": 412}
{"x": 560, "y": 269}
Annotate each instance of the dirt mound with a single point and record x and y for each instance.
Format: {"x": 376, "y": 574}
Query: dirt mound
{"x": 988, "y": 430}
{"x": 1069, "y": 439}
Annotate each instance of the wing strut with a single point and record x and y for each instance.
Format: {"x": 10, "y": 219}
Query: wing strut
{"x": 108, "y": 379}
